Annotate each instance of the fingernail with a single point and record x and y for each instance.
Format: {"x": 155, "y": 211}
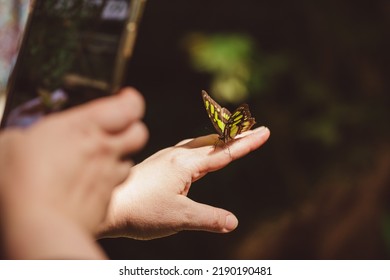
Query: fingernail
{"x": 231, "y": 222}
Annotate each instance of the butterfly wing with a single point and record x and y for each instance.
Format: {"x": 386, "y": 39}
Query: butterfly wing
{"x": 218, "y": 115}
{"x": 226, "y": 124}
{"x": 239, "y": 122}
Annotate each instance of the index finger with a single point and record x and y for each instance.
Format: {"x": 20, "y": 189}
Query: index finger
{"x": 212, "y": 158}
{"x": 114, "y": 113}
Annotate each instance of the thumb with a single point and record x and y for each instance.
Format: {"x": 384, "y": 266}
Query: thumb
{"x": 208, "y": 218}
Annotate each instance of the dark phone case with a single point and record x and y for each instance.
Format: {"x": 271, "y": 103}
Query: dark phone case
{"x": 72, "y": 52}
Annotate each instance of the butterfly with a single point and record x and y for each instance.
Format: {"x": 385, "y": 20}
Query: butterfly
{"x": 228, "y": 125}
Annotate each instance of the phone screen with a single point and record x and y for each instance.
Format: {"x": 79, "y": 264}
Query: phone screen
{"x": 73, "y": 51}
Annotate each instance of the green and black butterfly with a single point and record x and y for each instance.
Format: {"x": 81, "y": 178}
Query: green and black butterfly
{"x": 228, "y": 125}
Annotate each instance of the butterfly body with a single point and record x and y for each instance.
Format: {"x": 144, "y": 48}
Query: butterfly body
{"x": 228, "y": 125}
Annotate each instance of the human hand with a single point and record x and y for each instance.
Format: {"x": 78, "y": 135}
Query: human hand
{"x": 66, "y": 165}
{"x": 153, "y": 201}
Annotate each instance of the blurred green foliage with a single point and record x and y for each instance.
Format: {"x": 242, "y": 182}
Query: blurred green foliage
{"x": 237, "y": 66}
{"x": 240, "y": 69}
{"x": 315, "y": 73}
{"x": 328, "y": 118}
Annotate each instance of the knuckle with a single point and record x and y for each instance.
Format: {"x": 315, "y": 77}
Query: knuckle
{"x": 219, "y": 220}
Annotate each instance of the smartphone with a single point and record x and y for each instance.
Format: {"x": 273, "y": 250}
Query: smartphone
{"x": 72, "y": 51}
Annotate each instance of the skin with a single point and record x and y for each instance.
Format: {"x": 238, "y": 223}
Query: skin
{"x": 63, "y": 182}
{"x": 153, "y": 201}
{"x": 56, "y": 177}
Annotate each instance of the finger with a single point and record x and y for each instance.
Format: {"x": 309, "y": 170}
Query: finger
{"x": 183, "y": 142}
{"x": 201, "y": 141}
{"x": 212, "y": 158}
{"x": 130, "y": 140}
{"x": 237, "y": 149}
{"x": 114, "y": 113}
{"x": 112, "y": 176}
{"x": 213, "y": 139}
{"x": 121, "y": 172}
{"x": 248, "y": 142}
{"x": 208, "y": 218}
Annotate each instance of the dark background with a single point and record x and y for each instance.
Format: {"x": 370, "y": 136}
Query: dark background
{"x": 319, "y": 188}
